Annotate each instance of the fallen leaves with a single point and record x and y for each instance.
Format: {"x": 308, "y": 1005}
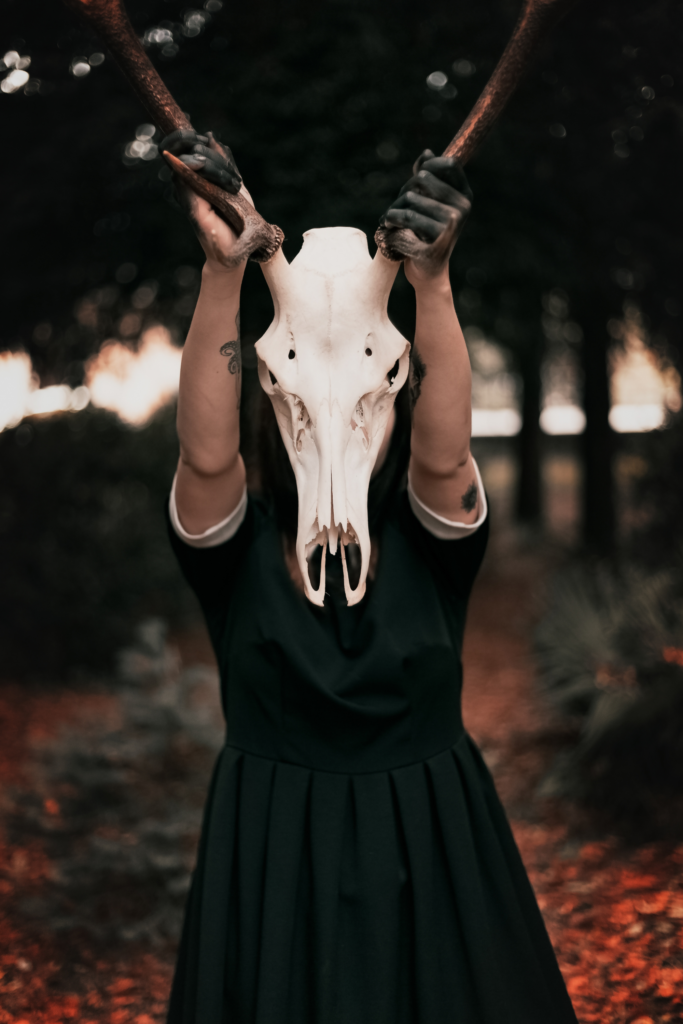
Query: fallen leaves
{"x": 615, "y": 917}
{"x": 619, "y": 943}
{"x": 654, "y": 904}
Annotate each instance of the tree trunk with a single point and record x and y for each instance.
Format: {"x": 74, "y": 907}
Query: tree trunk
{"x": 528, "y": 498}
{"x": 597, "y": 441}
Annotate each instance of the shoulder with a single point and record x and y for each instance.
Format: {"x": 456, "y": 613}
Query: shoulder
{"x": 453, "y": 552}
{"x": 211, "y": 563}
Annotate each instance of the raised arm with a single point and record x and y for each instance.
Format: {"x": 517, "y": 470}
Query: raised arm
{"x": 437, "y": 199}
{"x": 211, "y": 475}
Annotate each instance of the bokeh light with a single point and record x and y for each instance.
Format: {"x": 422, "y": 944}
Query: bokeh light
{"x": 135, "y": 384}
{"x": 17, "y": 380}
{"x": 131, "y": 384}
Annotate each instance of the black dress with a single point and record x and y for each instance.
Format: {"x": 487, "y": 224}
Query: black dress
{"x": 355, "y": 864}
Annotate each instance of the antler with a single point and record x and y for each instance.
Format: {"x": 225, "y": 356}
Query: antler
{"x": 535, "y": 19}
{"x": 258, "y": 240}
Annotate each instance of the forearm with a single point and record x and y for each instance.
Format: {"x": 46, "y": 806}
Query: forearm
{"x": 211, "y": 376}
{"x": 441, "y": 384}
{"x": 434, "y": 205}
{"x": 441, "y": 470}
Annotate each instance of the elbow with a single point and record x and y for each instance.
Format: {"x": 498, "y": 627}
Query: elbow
{"x": 442, "y": 466}
{"x": 208, "y": 464}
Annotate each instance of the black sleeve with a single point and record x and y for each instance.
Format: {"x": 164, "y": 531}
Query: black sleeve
{"x": 212, "y": 572}
{"x": 453, "y": 563}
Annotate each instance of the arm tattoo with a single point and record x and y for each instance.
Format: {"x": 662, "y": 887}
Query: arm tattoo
{"x": 418, "y": 372}
{"x": 232, "y": 350}
{"x": 468, "y": 502}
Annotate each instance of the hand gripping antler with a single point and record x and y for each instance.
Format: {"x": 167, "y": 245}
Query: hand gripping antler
{"x": 258, "y": 240}
{"x": 535, "y": 19}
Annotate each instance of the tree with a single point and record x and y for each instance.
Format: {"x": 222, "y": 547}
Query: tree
{"x": 326, "y": 105}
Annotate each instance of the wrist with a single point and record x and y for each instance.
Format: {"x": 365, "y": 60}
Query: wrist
{"x": 220, "y": 279}
{"x": 431, "y": 288}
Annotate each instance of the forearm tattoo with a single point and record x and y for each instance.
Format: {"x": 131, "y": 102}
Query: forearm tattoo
{"x": 418, "y": 372}
{"x": 232, "y": 350}
{"x": 468, "y": 502}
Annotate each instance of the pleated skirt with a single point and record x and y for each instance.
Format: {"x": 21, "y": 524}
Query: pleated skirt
{"x": 393, "y": 897}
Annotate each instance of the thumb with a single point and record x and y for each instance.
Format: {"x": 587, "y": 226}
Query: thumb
{"x": 424, "y": 156}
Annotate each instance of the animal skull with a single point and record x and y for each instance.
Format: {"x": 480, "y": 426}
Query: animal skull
{"x": 332, "y": 399}
{"x": 332, "y": 363}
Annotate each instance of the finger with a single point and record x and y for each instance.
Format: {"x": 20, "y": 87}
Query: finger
{"x": 426, "y": 229}
{"x": 425, "y": 155}
{"x": 213, "y": 172}
{"x": 181, "y": 141}
{"x": 219, "y": 147}
{"x": 211, "y": 154}
{"x": 217, "y": 168}
{"x": 222, "y": 176}
{"x": 218, "y": 155}
{"x": 194, "y": 161}
{"x": 450, "y": 170}
{"x": 428, "y": 184}
{"x": 429, "y": 207}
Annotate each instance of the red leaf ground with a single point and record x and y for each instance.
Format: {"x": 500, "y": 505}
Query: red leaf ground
{"x": 615, "y": 916}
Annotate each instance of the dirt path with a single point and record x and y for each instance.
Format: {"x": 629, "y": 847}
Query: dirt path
{"x": 100, "y": 804}
{"x": 615, "y": 917}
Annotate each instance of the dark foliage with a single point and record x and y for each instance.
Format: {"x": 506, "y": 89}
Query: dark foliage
{"x": 631, "y": 780}
{"x": 83, "y": 543}
{"x": 657, "y": 497}
{"x": 326, "y": 106}
{"x": 129, "y": 789}
{"x": 610, "y": 657}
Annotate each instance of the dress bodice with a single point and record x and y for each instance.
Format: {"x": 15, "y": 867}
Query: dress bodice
{"x": 365, "y": 688}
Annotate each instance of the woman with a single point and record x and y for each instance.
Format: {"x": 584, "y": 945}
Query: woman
{"x": 355, "y": 865}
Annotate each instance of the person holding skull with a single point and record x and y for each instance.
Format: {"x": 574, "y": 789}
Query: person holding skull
{"x": 355, "y": 865}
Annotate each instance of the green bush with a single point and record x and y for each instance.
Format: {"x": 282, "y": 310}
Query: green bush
{"x": 83, "y": 544}
{"x": 610, "y": 656}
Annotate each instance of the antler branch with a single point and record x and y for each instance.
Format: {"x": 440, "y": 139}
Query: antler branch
{"x": 535, "y": 19}
{"x": 258, "y": 240}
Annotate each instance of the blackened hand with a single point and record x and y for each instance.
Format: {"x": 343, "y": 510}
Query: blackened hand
{"x": 205, "y": 155}
{"x": 437, "y": 191}
{"x": 215, "y": 162}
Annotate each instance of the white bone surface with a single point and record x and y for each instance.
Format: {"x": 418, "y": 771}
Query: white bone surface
{"x": 331, "y": 398}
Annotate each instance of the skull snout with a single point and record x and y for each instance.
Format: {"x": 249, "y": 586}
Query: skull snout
{"x": 339, "y": 436}
{"x": 323, "y": 438}
{"x": 331, "y": 437}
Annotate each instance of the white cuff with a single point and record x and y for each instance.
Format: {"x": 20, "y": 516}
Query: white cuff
{"x": 215, "y": 535}
{"x": 446, "y": 529}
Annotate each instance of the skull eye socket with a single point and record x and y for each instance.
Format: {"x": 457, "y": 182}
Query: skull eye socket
{"x": 303, "y": 423}
{"x": 393, "y": 373}
{"x": 273, "y": 378}
{"x": 358, "y": 423}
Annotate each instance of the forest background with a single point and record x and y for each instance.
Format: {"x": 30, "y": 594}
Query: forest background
{"x": 576, "y": 234}
{"x": 109, "y": 704}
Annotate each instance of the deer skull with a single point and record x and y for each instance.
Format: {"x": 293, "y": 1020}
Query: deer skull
{"x": 331, "y": 360}
{"x": 332, "y": 363}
